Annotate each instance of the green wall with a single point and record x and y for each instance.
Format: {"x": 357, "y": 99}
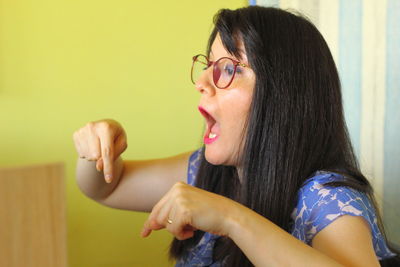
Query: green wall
{"x": 64, "y": 63}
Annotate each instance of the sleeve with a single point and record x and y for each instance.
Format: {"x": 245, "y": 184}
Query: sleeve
{"x": 193, "y": 167}
{"x": 320, "y": 205}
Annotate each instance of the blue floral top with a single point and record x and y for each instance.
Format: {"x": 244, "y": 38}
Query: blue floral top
{"x": 317, "y": 207}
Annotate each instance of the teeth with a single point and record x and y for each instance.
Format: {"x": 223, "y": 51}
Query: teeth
{"x": 212, "y": 135}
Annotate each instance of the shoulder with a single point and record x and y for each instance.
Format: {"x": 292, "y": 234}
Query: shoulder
{"x": 317, "y": 190}
{"x": 320, "y": 204}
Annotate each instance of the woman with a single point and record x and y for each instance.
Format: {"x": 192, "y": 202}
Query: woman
{"x": 276, "y": 182}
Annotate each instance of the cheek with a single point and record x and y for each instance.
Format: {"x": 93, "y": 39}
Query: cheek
{"x": 239, "y": 100}
{"x": 237, "y": 115}
{"x": 239, "y": 110}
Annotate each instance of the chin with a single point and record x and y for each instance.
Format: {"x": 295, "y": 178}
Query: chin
{"x": 216, "y": 158}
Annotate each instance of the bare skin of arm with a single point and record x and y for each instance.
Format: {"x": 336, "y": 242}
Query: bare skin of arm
{"x": 345, "y": 242}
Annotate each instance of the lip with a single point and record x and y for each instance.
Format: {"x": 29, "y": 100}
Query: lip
{"x": 211, "y": 121}
{"x": 209, "y": 141}
{"x": 205, "y": 113}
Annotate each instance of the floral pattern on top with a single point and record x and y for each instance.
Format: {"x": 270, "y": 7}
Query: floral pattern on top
{"x": 319, "y": 205}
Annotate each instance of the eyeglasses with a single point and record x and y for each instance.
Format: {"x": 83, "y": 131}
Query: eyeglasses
{"x": 224, "y": 69}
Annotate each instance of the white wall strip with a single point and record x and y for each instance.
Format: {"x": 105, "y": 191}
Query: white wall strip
{"x": 328, "y": 24}
{"x": 290, "y": 4}
{"x": 373, "y": 93}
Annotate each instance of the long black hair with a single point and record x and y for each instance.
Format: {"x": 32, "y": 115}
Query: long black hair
{"x": 295, "y": 126}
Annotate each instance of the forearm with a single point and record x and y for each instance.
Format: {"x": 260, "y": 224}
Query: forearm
{"x": 92, "y": 183}
{"x": 266, "y": 244}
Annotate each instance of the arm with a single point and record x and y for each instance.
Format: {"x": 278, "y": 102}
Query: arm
{"x": 264, "y": 243}
{"x": 347, "y": 241}
{"x": 133, "y": 185}
{"x": 143, "y": 183}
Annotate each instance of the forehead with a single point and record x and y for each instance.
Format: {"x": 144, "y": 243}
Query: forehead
{"x": 218, "y": 49}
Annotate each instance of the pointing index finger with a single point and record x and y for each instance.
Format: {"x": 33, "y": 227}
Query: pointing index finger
{"x": 107, "y": 155}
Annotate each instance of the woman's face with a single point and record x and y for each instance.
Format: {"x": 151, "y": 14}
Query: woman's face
{"x": 225, "y": 110}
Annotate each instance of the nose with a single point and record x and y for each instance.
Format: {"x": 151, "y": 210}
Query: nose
{"x": 205, "y": 84}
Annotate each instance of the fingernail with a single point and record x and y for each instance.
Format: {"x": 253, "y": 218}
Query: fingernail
{"x": 108, "y": 178}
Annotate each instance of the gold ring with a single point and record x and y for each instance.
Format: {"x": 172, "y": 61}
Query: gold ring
{"x": 169, "y": 221}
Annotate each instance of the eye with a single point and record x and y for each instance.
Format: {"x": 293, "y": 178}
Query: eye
{"x": 228, "y": 68}
{"x": 239, "y": 70}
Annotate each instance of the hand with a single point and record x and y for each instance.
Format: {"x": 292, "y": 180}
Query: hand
{"x": 101, "y": 141}
{"x": 185, "y": 208}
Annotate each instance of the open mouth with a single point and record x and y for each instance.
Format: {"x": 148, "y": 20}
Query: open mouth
{"x": 212, "y": 131}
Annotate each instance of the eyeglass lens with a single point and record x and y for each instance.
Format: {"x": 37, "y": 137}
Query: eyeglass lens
{"x": 223, "y": 70}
